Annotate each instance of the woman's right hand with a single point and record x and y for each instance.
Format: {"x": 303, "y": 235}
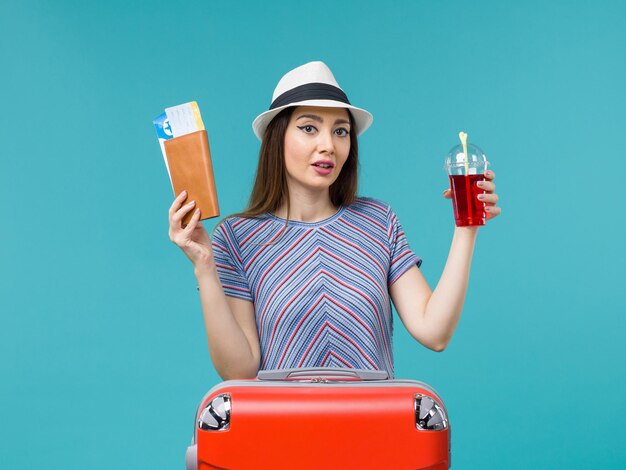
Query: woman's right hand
{"x": 193, "y": 239}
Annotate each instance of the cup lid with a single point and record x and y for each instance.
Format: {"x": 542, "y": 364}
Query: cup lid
{"x": 456, "y": 158}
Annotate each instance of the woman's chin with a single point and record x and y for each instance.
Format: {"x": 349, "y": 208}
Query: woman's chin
{"x": 324, "y": 183}
{"x": 313, "y": 183}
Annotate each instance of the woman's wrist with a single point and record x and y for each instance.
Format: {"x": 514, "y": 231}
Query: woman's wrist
{"x": 204, "y": 271}
{"x": 468, "y": 231}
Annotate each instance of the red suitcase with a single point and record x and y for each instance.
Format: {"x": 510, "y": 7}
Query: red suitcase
{"x": 320, "y": 418}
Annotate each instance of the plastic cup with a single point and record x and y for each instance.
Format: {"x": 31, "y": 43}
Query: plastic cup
{"x": 468, "y": 209}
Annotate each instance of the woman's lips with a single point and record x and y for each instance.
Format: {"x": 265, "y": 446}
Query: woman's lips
{"x": 323, "y": 167}
{"x": 323, "y": 171}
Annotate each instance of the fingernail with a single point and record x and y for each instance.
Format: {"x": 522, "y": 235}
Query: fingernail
{"x": 481, "y": 196}
{"x": 192, "y": 203}
{"x": 487, "y": 208}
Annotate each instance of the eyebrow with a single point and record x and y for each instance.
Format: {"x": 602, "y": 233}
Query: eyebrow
{"x": 319, "y": 119}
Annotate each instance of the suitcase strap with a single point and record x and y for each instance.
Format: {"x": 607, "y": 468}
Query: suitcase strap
{"x": 319, "y": 374}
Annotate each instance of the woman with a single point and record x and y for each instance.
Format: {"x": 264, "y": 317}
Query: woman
{"x": 305, "y": 275}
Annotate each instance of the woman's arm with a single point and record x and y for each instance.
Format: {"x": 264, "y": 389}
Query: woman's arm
{"x": 230, "y": 328}
{"x": 230, "y": 323}
{"x": 431, "y": 317}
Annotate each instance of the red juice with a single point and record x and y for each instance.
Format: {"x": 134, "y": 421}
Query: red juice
{"x": 468, "y": 210}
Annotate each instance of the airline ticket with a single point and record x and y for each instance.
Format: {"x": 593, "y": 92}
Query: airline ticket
{"x": 176, "y": 121}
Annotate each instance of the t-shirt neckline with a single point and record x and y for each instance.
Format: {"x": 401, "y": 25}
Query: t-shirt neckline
{"x": 319, "y": 223}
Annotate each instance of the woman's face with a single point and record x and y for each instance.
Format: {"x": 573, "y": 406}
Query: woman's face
{"x": 317, "y": 144}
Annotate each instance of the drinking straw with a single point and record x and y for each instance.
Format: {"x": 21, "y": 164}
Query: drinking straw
{"x": 463, "y": 137}
{"x": 468, "y": 195}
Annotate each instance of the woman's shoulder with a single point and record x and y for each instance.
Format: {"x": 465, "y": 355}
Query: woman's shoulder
{"x": 375, "y": 210}
{"x": 370, "y": 205}
{"x": 236, "y": 225}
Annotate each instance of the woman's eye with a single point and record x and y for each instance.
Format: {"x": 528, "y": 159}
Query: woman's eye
{"x": 307, "y": 129}
{"x": 342, "y": 132}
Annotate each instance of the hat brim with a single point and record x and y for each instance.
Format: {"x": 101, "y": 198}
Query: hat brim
{"x": 362, "y": 119}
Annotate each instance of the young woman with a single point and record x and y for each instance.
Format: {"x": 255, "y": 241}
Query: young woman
{"x": 304, "y": 277}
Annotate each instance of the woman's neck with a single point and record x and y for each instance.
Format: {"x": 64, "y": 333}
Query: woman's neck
{"x": 307, "y": 207}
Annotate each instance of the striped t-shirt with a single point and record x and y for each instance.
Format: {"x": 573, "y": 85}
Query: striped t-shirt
{"x": 320, "y": 290}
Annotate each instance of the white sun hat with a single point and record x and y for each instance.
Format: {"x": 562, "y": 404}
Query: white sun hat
{"x": 311, "y": 84}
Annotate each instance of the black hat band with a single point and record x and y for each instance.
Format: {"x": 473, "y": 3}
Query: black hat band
{"x": 310, "y": 91}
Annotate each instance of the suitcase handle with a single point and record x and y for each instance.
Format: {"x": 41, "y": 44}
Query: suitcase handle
{"x": 319, "y": 372}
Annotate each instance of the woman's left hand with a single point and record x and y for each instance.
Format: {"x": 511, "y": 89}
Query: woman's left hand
{"x": 490, "y": 198}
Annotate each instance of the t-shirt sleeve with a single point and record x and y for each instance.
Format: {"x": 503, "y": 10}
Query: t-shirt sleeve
{"x": 228, "y": 262}
{"x": 402, "y": 257}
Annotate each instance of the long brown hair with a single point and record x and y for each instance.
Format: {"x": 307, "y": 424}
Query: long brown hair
{"x": 270, "y": 191}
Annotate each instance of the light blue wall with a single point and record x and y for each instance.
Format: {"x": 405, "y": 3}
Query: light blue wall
{"x": 103, "y": 354}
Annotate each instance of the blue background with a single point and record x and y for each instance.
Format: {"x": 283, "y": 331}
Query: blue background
{"x": 103, "y": 354}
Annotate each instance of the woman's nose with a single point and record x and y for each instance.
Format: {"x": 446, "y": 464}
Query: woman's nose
{"x": 325, "y": 142}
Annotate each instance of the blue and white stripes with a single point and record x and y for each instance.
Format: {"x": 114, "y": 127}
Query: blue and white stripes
{"x": 320, "y": 290}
